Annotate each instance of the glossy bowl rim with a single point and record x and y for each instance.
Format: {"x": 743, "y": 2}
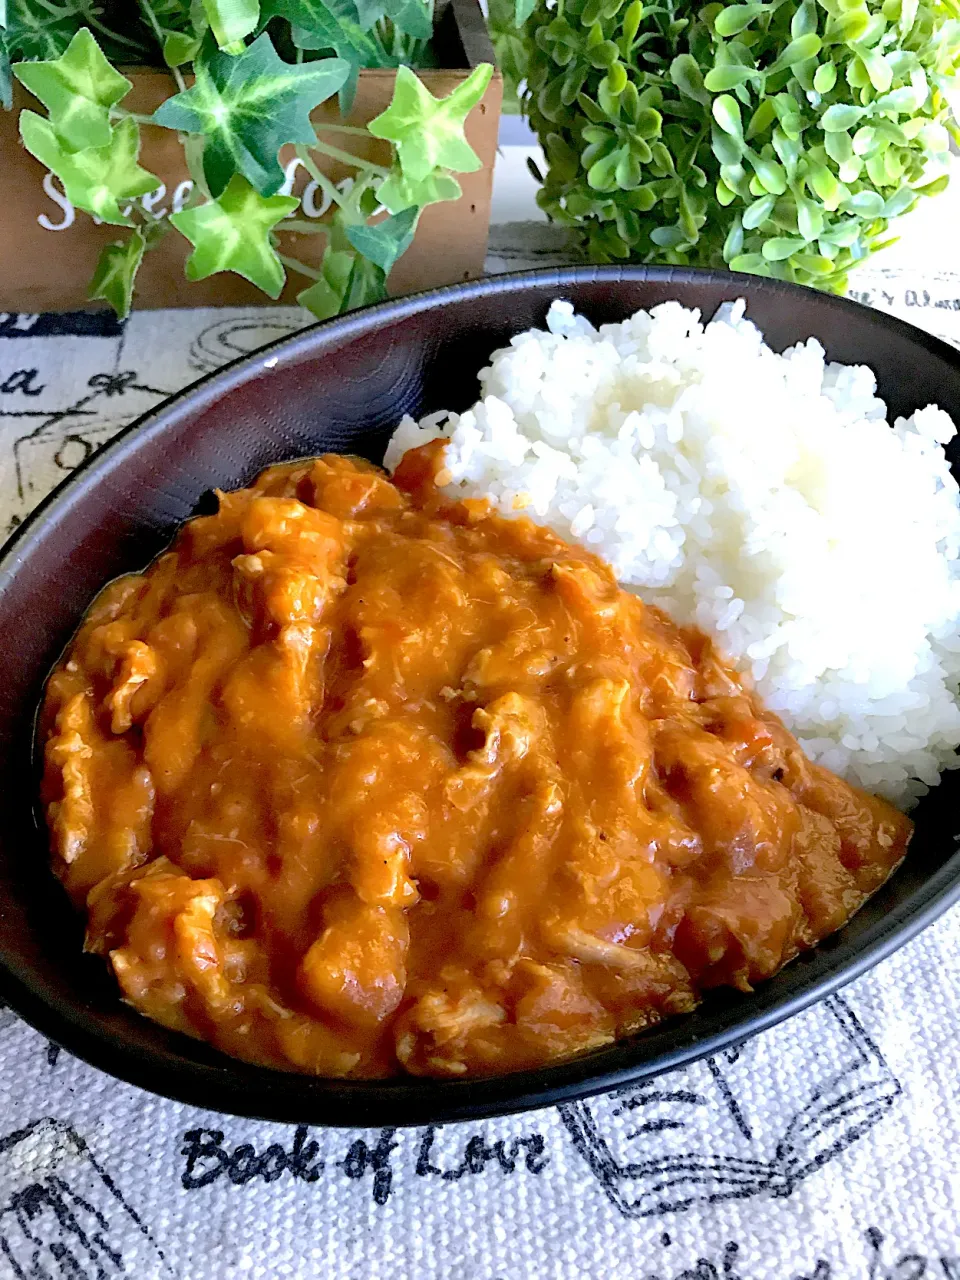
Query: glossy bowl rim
{"x": 238, "y": 1088}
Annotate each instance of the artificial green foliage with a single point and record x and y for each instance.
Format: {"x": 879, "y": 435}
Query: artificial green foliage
{"x": 411, "y": 17}
{"x": 180, "y": 47}
{"x": 232, "y": 233}
{"x": 78, "y": 89}
{"x": 246, "y": 107}
{"x": 6, "y": 74}
{"x": 231, "y": 20}
{"x": 115, "y": 274}
{"x": 325, "y": 296}
{"x": 334, "y": 28}
{"x": 348, "y": 280}
{"x": 507, "y": 36}
{"x": 383, "y": 22}
{"x": 365, "y": 33}
{"x": 166, "y": 18}
{"x": 428, "y": 131}
{"x": 33, "y": 31}
{"x": 384, "y": 242}
{"x": 777, "y": 138}
{"x": 259, "y": 71}
{"x": 36, "y": 29}
{"x": 314, "y": 23}
{"x": 100, "y": 180}
{"x": 397, "y": 192}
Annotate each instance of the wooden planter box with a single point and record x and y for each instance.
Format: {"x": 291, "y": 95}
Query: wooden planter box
{"x": 48, "y": 251}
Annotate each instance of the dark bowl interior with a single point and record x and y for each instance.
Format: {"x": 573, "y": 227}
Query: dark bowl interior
{"x": 343, "y": 386}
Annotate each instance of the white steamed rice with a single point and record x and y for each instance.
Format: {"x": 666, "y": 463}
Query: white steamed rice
{"x": 763, "y": 497}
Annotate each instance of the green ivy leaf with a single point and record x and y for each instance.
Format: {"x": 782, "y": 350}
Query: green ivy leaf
{"x": 338, "y": 25}
{"x": 368, "y": 11}
{"x": 246, "y": 107}
{"x": 366, "y": 285}
{"x": 231, "y": 21}
{"x": 428, "y": 131}
{"x": 99, "y": 179}
{"x": 397, "y": 192}
{"x": 412, "y": 17}
{"x": 522, "y": 11}
{"x": 6, "y": 77}
{"x": 33, "y": 31}
{"x": 197, "y": 16}
{"x": 316, "y": 24}
{"x": 349, "y": 280}
{"x": 232, "y": 233}
{"x": 78, "y": 89}
{"x": 386, "y": 241}
{"x": 325, "y": 298}
{"x": 116, "y": 272}
{"x": 180, "y": 47}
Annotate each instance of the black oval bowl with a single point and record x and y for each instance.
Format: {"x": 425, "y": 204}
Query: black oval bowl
{"x": 342, "y": 386}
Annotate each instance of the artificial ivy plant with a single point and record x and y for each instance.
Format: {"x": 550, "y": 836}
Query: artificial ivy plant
{"x": 246, "y": 76}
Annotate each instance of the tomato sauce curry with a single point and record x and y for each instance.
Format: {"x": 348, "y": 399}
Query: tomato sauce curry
{"x": 354, "y": 780}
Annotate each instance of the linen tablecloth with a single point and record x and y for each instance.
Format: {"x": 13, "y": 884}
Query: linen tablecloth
{"x": 827, "y": 1148}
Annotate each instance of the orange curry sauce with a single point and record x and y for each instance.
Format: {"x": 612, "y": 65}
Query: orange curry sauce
{"x": 354, "y": 780}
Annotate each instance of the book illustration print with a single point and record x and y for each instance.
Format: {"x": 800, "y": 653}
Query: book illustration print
{"x": 693, "y": 1137}
{"x": 62, "y": 1214}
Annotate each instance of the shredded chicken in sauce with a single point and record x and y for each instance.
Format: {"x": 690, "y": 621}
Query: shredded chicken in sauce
{"x": 355, "y": 781}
